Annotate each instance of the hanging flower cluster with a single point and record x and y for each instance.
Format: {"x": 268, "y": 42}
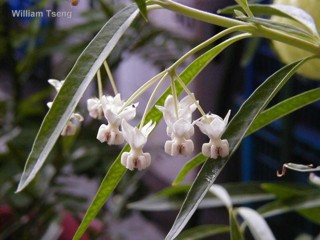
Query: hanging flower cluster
{"x": 117, "y": 114}
{"x": 180, "y": 128}
{"x": 75, "y": 118}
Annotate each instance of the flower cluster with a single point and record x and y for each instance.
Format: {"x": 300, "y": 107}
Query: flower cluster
{"x": 180, "y": 128}
{"x": 117, "y": 114}
{"x": 75, "y": 118}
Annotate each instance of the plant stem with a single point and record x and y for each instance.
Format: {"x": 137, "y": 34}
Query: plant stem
{"x": 258, "y": 31}
{"x": 208, "y": 42}
{"x": 151, "y": 99}
{"x": 113, "y": 83}
{"x": 100, "y": 90}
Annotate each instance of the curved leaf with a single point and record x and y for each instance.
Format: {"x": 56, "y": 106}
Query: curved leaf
{"x": 235, "y": 132}
{"x": 284, "y": 108}
{"x": 235, "y": 231}
{"x": 288, "y": 11}
{"x": 256, "y": 223}
{"x": 72, "y": 90}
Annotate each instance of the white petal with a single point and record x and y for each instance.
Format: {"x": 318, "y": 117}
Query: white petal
{"x": 112, "y": 118}
{"x": 56, "y": 84}
{"x": 146, "y": 129}
{"x": 216, "y": 129}
{"x": 226, "y": 118}
{"x": 182, "y": 128}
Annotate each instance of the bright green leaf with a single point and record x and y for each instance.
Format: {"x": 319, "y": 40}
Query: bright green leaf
{"x": 284, "y": 108}
{"x": 203, "y": 231}
{"x": 235, "y": 132}
{"x": 256, "y": 223}
{"x": 72, "y": 90}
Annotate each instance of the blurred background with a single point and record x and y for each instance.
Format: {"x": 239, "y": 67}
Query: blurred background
{"x": 35, "y": 49}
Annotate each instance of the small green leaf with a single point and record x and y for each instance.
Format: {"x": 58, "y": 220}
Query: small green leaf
{"x": 143, "y": 8}
{"x": 235, "y": 132}
{"x": 256, "y": 223}
{"x": 284, "y": 108}
{"x": 235, "y": 232}
{"x": 72, "y": 90}
{"x": 245, "y": 6}
{"x": 191, "y": 164}
{"x": 203, "y": 231}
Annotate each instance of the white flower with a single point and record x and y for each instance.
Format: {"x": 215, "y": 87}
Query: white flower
{"x": 71, "y": 126}
{"x": 179, "y": 128}
{"x": 95, "y": 108}
{"x": 214, "y": 126}
{"x": 114, "y": 111}
{"x": 172, "y": 113}
{"x": 182, "y": 130}
{"x": 136, "y": 138}
{"x": 56, "y": 84}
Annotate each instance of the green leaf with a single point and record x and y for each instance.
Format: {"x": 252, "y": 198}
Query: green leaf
{"x": 172, "y": 198}
{"x": 308, "y": 201}
{"x": 203, "y": 231}
{"x": 256, "y": 223}
{"x": 284, "y": 27}
{"x": 191, "y": 164}
{"x": 296, "y": 14}
{"x": 72, "y": 90}
{"x": 284, "y": 108}
{"x": 245, "y": 6}
{"x": 112, "y": 179}
{"x": 287, "y": 190}
{"x": 143, "y": 8}
{"x": 235, "y": 232}
{"x": 235, "y": 132}
{"x": 312, "y": 214}
{"x": 109, "y": 183}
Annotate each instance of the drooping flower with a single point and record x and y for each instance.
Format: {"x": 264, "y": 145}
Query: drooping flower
{"x": 179, "y": 127}
{"x": 136, "y": 138}
{"x": 115, "y": 111}
{"x": 214, "y": 126}
{"x": 94, "y": 107}
{"x": 75, "y": 118}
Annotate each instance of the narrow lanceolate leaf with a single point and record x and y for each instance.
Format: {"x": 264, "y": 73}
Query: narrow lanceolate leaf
{"x": 284, "y": 108}
{"x": 116, "y": 172}
{"x": 235, "y": 132}
{"x": 109, "y": 183}
{"x": 256, "y": 223}
{"x": 172, "y": 198}
{"x": 201, "y": 232}
{"x": 188, "y": 167}
{"x": 72, "y": 90}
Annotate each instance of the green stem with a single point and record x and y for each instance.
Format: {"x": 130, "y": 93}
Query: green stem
{"x": 259, "y": 31}
{"x": 113, "y": 83}
{"x": 151, "y": 99}
{"x": 175, "y": 97}
{"x": 208, "y": 42}
{"x": 100, "y": 90}
{"x": 142, "y": 89}
{"x": 185, "y": 88}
